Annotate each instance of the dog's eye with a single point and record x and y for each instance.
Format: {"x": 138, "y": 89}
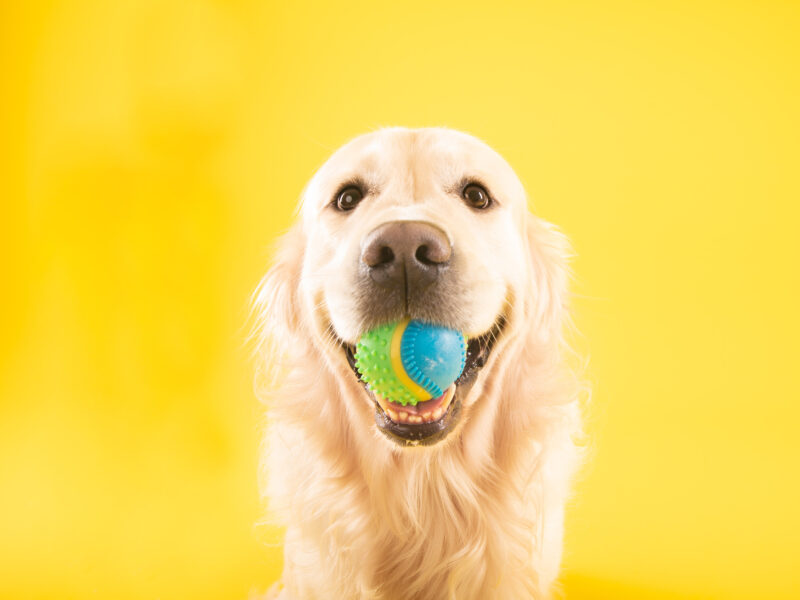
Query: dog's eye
{"x": 349, "y": 198}
{"x": 476, "y": 196}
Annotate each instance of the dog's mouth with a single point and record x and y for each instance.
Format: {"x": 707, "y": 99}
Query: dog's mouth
{"x": 430, "y": 421}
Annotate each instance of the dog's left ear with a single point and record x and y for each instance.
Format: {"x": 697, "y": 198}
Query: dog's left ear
{"x": 276, "y": 302}
{"x": 548, "y": 272}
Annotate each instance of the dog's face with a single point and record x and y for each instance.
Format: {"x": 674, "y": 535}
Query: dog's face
{"x": 429, "y": 224}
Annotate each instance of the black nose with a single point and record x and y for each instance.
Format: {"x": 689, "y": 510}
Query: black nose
{"x": 408, "y": 255}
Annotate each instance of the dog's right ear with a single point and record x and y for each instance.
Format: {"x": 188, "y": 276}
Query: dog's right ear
{"x": 549, "y": 252}
{"x": 275, "y": 305}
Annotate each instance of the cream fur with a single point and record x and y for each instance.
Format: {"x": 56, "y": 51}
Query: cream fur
{"x": 478, "y": 515}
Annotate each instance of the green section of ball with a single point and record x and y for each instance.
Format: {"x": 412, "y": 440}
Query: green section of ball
{"x": 374, "y": 363}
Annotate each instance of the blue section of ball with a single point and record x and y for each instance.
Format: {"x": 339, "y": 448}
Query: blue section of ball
{"x": 433, "y": 356}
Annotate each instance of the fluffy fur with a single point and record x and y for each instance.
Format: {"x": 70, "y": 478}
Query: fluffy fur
{"x": 478, "y": 515}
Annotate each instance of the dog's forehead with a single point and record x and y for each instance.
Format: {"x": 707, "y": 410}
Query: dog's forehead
{"x": 412, "y": 157}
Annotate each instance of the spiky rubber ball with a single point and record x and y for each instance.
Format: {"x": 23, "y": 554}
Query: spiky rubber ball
{"x": 410, "y": 361}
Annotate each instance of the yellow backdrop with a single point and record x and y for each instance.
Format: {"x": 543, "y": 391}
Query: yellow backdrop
{"x": 152, "y": 150}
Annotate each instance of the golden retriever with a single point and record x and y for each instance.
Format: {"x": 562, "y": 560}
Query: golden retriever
{"x": 464, "y": 502}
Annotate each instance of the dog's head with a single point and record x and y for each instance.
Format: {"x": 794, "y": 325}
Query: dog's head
{"x": 429, "y": 224}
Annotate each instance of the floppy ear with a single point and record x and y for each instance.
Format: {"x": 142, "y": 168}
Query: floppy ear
{"x": 275, "y": 302}
{"x": 548, "y": 273}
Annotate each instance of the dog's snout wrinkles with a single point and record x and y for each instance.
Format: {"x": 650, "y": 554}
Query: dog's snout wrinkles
{"x": 406, "y": 254}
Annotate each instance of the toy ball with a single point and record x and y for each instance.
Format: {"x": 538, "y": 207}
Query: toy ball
{"x": 410, "y": 361}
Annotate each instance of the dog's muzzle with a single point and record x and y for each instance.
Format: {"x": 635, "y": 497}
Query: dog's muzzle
{"x": 407, "y": 270}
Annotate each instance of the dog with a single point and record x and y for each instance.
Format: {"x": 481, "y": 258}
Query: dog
{"x": 428, "y": 224}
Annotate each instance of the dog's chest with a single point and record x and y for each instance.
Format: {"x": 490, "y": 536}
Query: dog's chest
{"x": 442, "y": 539}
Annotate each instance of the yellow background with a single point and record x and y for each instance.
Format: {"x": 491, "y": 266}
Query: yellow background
{"x": 152, "y": 150}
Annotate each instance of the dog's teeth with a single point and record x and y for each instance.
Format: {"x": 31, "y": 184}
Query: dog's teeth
{"x": 415, "y": 419}
{"x": 402, "y": 415}
{"x": 426, "y": 416}
{"x": 438, "y": 412}
{"x": 392, "y": 415}
{"x": 450, "y": 394}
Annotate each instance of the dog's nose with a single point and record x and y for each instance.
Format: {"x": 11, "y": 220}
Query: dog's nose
{"x": 408, "y": 255}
